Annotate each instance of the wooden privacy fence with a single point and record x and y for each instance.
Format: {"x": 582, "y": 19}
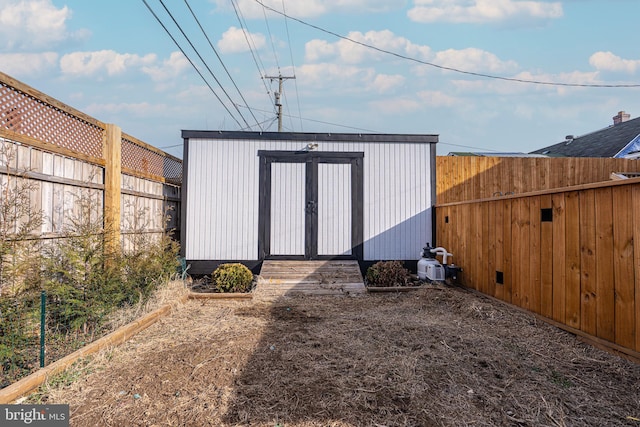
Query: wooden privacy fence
{"x": 569, "y": 255}
{"x": 67, "y": 154}
{"x": 472, "y": 178}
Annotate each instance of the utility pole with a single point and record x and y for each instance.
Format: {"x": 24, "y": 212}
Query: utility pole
{"x": 278, "y": 95}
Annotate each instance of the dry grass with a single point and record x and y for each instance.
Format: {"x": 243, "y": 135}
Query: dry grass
{"x": 170, "y": 293}
{"x": 430, "y": 357}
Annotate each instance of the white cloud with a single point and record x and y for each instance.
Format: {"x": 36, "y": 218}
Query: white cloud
{"x": 607, "y": 61}
{"x": 140, "y": 109}
{"x": 327, "y": 75}
{"x": 169, "y": 69}
{"x": 251, "y": 9}
{"x": 436, "y": 99}
{"x": 472, "y": 59}
{"x": 482, "y": 11}
{"x": 503, "y": 87}
{"x": 98, "y": 62}
{"x": 234, "y": 41}
{"x": 396, "y": 106}
{"x": 353, "y": 53}
{"x": 384, "y": 83}
{"x": 35, "y": 24}
{"x": 28, "y": 64}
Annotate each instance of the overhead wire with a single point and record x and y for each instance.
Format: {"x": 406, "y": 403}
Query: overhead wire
{"x": 252, "y": 46}
{"x": 273, "y": 47}
{"x": 203, "y": 61}
{"x": 442, "y": 67}
{"x": 293, "y": 65}
{"x": 221, "y": 61}
{"x": 326, "y": 123}
{"x": 192, "y": 64}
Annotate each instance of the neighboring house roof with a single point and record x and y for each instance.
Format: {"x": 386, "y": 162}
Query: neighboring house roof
{"x": 619, "y": 140}
{"x": 492, "y": 154}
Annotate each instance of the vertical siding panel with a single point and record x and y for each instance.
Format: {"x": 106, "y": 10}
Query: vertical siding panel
{"x": 559, "y": 257}
{"x": 605, "y": 301}
{"x": 625, "y": 322}
{"x": 589, "y": 297}
{"x": 546, "y": 260}
{"x": 572, "y": 246}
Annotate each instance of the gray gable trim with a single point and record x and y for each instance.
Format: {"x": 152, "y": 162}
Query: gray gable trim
{"x": 607, "y": 142}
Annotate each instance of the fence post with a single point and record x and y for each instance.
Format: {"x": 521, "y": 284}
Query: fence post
{"x": 43, "y": 308}
{"x": 112, "y": 152}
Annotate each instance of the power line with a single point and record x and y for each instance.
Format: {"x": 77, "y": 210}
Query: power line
{"x": 273, "y": 47}
{"x": 255, "y": 55}
{"x": 191, "y": 62}
{"x": 295, "y": 82}
{"x": 203, "y": 61}
{"x": 320, "y": 121}
{"x": 442, "y": 67}
{"x": 221, "y": 62}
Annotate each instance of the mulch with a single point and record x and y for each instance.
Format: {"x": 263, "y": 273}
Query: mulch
{"x": 438, "y": 356}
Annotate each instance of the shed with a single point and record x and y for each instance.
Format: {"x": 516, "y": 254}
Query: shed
{"x": 251, "y": 196}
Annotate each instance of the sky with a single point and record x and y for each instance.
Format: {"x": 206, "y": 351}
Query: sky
{"x": 462, "y": 69}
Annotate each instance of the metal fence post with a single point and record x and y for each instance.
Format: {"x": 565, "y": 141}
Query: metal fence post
{"x": 43, "y": 307}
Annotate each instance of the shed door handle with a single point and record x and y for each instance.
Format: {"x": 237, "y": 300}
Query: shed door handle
{"x": 312, "y": 207}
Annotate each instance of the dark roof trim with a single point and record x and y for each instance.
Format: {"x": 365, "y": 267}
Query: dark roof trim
{"x": 304, "y": 136}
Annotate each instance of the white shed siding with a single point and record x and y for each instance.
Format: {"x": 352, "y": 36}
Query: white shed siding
{"x": 287, "y": 208}
{"x": 334, "y": 209}
{"x": 222, "y": 197}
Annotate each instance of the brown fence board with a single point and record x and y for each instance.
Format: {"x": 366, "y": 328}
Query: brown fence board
{"x": 490, "y": 247}
{"x": 534, "y": 256}
{"x": 546, "y": 261}
{"x": 473, "y": 178}
{"x": 636, "y": 256}
{"x": 580, "y": 267}
{"x": 623, "y": 267}
{"x": 572, "y": 248}
{"x": 605, "y": 301}
{"x": 588, "y": 255}
{"x": 508, "y": 241}
{"x": 498, "y": 215}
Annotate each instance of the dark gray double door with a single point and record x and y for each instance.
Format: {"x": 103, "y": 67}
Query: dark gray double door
{"x": 310, "y": 205}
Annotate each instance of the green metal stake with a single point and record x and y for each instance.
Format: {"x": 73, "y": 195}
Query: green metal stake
{"x": 43, "y": 307}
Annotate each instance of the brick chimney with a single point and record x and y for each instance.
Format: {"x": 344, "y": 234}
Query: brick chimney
{"x": 621, "y": 117}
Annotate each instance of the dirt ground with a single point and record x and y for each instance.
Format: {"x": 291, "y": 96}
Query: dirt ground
{"x": 431, "y": 357}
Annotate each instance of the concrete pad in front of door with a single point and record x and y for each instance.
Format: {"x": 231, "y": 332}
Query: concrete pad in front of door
{"x": 280, "y": 278}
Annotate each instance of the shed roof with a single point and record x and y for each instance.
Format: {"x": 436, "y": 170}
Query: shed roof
{"x": 608, "y": 142}
{"x": 309, "y": 136}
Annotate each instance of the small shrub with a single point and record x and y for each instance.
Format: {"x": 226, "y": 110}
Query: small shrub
{"x": 232, "y": 278}
{"x": 387, "y": 273}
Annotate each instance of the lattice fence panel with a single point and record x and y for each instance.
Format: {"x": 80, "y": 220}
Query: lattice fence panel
{"x": 26, "y": 115}
{"x": 142, "y": 159}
